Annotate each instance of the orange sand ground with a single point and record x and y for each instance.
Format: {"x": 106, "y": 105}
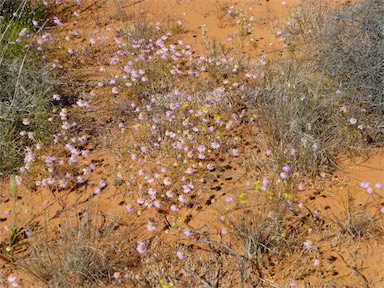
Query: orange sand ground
{"x": 330, "y": 195}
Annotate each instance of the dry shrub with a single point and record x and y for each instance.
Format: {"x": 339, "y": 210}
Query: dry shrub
{"x": 359, "y": 222}
{"x": 299, "y": 109}
{"x": 269, "y": 234}
{"x": 347, "y": 42}
{"x": 332, "y": 74}
{"x": 83, "y": 253}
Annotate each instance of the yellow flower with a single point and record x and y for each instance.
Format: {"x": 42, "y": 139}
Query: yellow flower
{"x": 257, "y": 185}
{"x": 242, "y": 195}
{"x": 217, "y": 117}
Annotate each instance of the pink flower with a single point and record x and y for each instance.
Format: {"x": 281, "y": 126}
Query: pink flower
{"x": 130, "y": 208}
{"x": 189, "y": 171}
{"x": 167, "y": 181}
{"x": 316, "y": 263}
{"x": 186, "y": 189}
{"x": 174, "y": 208}
{"x": 116, "y": 275}
{"x": 23, "y": 32}
{"x": 144, "y": 149}
{"x": 31, "y": 135}
{"x": 283, "y": 175}
{"x": 82, "y": 103}
{"x": 201, "y": 156}
{"x": 308, "y": 244}
{"x": 201, "y": 148}
{"x": 182, "y": 199}
{"x": 57, "y": 21}
{"x": 181, "y": 255}
{"x": 151, "y": 226}
{"x": 11, "y": 278}
{"x": 169, "y": 194}
{"x": 370, "y": 190}
{"x": 115, "y": 90}
{"x": 152, "y": 191}
{"x": 211, "y": 166}
{"x": 141, "y": 248}
{"x": 293, "y": 152}
{"x": 235, "y": 152}
{"x": 142, "y": 116}
{"x": 188, "y": 232}
{"x": 215, "y": 145}
{"x": 353, "y": 121}
{"x": 140, "y": 201}
{"x": 364, "y": 184}
{"x": 157, "y": 204}
{"x": 287, "y": 169}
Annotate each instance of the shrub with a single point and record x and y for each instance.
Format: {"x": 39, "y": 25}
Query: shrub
{"x": 300, "y": 110}
{"x": 358, "y": 222}
{"x": 82, "y": 253}
{"x": 25, "y": 86}
{"x": 347, "y": 42}
{"x": 325, "y": 95}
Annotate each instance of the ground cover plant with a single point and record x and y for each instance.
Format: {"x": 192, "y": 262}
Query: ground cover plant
{"x": 162, "y": 165}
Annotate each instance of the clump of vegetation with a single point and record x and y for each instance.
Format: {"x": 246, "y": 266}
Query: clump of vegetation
{"x": 306, "y": 117}
{"x": 346, "y": 43}
{"x": 327, "y": 94}
{"x": 26, "y": 87}
{"x": 358, "y": 222}
{"x": 82, "y": 253}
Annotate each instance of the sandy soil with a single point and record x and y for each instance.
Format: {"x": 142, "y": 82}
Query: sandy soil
{"x": 345, "y": 262}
